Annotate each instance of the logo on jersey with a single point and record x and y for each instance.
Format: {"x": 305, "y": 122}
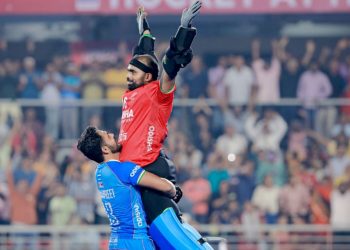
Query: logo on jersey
{"x": 133, "y": 172}
{"x": 122, "y": 136}
{"x": 125, "y": 105}
{"x": 138, "y": 215}
{"x": 150, "y": 136}
{"x": 127, "y": 114}
{"x": 100, "y": 184}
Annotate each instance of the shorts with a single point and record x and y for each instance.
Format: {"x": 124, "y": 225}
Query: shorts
{"x": 129, "y": 244}
{"x": 155, "y": 202}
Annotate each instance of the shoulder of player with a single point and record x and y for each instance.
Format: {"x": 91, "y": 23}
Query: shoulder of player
{"x": 154, "y": 84}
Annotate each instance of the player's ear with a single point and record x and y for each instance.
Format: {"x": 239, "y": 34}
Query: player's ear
{"x": 148, "y": 77}
{"x": 105, "y": 149}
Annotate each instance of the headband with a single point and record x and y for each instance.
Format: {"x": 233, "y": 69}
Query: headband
{"x": 143, "y": 67}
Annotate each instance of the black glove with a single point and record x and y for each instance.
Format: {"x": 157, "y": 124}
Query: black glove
{"x": 178, "y": 194}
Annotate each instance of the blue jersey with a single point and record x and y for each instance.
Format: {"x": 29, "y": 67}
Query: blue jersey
{"x": 121, "y": 199}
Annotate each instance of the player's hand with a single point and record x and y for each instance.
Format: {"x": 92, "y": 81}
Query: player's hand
{"x": 142, "y": 23}
{"x": 189, "y": 13}
{"x": 178, "y": 194}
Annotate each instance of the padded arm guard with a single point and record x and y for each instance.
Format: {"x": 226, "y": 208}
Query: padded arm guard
{"x": 179, "y": 53}
{"x": 145, "y": 46}
{"x": 184, "y": 38}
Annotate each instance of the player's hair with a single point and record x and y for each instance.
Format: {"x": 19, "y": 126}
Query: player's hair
{"x": 149, "y": 61}
{"x": 90, "y": 143}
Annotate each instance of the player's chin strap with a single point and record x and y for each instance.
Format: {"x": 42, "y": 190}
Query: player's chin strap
{"x": 168, "y": 233}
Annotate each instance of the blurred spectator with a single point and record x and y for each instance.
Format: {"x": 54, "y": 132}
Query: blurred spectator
{"x": 340, "y": 205}
{"x": 5, "y": 206}
{"x": 29, "y": 80}
{"x": 195, "y": 79}
{"x": 225, "y": 207}
{"x": 5, "y": 148}
{"x": 24, "y": 169}
{"x": 70, "y": 91}
{"x": 47, "y": 191}
{"x": 115, "y": 79}
{"x": 83, "y": 190}
{"x": 52, "y": 81}
{"x": 92, "y": 89}
{"x": 243, "y": 182}
{"x": 235, "y": 116}
{"x": 336, "y": 79}
{"x": 281, "y": 236}
{"x": 23, "y": 195}
{"x": 339, "y": 162}
{"x": 4, "y": 51}
{"x": 326, "y": 116}
{"x": 62, "y": 207}
{"x": 216, "y": 76}
{"x": 289, "y": 78}
{"x": 345, "y": 68}
{"x": 267, "y": 133}
{"x": 9, "y": 79}
{"x": 201, "y": 132}
{"x": 216, "y": 172}
{"x": 197, "y": 189}
{"x": 342, "y": 45}
{"x": 231, "y": 142}
{"x": 297, "y": 140}
{"x": 238, "y": 81}
{"x": 294, "y": 199}
{"x": 319, "y": 210}
{"x": 313, "y": 87}
{"x": 250, "y": 222}
{"x": 265, "y": 197}
{"x": 267, "y": 73}
{"x": 33, "y": 124}
{"x": 342, "y": 126}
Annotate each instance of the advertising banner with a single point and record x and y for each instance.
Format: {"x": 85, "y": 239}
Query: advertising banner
{"x": 122, "y": 7}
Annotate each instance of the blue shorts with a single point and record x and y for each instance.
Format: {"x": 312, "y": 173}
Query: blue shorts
{"x": 128, "y": 244}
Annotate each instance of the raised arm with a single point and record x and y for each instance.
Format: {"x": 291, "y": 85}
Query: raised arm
{"x": 255, "y": 49}
{"x": 310, "y": 48}
{"x": 179, "y": 53}
{"x": 153, "y": 181}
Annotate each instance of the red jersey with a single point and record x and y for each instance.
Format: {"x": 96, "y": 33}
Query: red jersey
{"x": 146, "y": 111}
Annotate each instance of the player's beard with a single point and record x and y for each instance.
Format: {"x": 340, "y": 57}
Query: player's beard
{"x": 133, "y": 85}
{"x": 115, "y": 148}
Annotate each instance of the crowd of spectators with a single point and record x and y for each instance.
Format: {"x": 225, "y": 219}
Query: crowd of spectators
{"x": 242, "y": 161}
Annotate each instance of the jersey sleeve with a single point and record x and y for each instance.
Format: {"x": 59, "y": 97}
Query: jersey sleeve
{"x": 165, "y": 98}
{"x": 129, "y": 173}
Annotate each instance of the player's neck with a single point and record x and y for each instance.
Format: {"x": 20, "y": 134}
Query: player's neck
{"x": 110, "y": 157}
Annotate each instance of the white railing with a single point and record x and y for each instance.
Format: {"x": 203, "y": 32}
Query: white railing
{"x": 222, "y": 237}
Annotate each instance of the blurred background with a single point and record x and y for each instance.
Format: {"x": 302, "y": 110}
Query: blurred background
{"x": 259, "y": 131}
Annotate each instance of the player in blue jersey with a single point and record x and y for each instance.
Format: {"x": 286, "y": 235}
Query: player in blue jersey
{"x": 116, "y": 183}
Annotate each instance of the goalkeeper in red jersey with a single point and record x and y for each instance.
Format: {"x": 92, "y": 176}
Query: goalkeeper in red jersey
{"x": 147, "y": 105}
